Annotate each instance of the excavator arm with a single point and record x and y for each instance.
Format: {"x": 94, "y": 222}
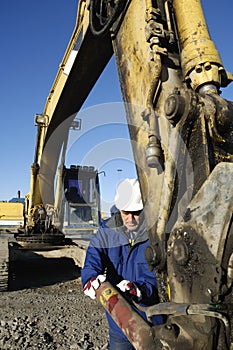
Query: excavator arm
{"x": 171, "y": 76}
{"x": 84, "y": 60}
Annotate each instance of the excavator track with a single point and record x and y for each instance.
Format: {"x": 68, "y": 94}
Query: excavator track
{"x": 4, "y": 264}
{"x": 46, "y": 240}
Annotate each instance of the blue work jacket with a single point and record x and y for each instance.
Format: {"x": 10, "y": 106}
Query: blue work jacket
{"x": 120, "y": 255}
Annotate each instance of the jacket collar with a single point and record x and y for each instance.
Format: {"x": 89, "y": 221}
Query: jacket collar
{"x": 116, "y": 223}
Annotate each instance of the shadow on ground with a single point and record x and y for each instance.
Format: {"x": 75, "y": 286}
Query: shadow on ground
{"x": 41, "y": 272}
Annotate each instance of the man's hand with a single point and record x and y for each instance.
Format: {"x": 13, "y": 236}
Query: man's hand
{"x": 93, "y": 284}
{"x": 130, "y": 289}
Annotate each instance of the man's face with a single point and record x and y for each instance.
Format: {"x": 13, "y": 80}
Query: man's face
{"x": 131, "y": 219}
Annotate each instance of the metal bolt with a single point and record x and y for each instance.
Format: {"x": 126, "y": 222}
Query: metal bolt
{"x": 168, "y": 327}
{"x": 174, "y": 107}
{"x": 198, "y": 68}
{"x": 207, "y": 66}
{"x": 170, "y": 105}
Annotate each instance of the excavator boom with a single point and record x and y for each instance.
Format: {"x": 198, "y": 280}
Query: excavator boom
{"x": 171, "y": 76}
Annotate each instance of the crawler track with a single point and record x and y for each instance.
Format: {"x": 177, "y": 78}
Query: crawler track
{"x": 4, "y": 263}
{"x": 40, "y": 240}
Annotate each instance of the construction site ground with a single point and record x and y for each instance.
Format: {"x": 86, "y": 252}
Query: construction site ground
{"x": 45, "y": 307}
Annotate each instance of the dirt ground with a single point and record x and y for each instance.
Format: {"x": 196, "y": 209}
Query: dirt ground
{"x": 46, "y": 309}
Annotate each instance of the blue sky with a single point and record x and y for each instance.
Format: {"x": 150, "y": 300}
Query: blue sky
{"x": 34, "y": 37}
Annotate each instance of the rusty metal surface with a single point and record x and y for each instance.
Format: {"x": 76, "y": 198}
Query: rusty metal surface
{"x": 131, "y": 323}
{"x": 196, "y": 244}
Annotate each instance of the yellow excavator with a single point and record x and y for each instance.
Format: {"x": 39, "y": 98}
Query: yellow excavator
{"x": 181, "y": 130}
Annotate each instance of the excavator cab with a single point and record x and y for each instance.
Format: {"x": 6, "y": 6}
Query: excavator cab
{"x": 81, "y": 200}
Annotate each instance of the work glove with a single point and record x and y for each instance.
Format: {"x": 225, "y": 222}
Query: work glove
{"x": 130, "y": 290}
{"x": 93, "y": 284}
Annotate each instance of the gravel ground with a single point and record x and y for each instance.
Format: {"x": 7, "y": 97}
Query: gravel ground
{"x": 46, "y": 309}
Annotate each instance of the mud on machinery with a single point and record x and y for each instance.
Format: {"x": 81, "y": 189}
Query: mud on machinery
{"x": 181, "y": 130}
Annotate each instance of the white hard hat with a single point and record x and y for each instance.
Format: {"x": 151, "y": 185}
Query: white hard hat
{"x": 128, "y": 195}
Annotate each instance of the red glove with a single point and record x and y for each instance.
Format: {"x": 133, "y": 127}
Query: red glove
{"x": 93, "y": 284}
{"x": 131, "y": 290}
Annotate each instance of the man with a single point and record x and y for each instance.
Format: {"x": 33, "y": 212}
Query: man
{"x": 116, "y": 254}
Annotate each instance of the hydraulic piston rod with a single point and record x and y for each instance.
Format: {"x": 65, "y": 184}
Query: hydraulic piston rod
{"x": 201, "y": 62}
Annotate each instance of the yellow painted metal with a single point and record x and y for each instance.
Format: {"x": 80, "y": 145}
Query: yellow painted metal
{"x": 143, "y": 80}
{"x": 36, "y": 198}
{"x": 69, "y": 91}
{"x": 61, "y": 77}
{"x": 11, "y": 211}
{"x": 60, "y": 80}
{"x": 201, "y": 62}
{"x": 136, "y": 73}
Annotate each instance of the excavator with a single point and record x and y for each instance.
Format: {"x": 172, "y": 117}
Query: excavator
{"x": 52, "y": 216}
{"x": 181, "y": 131}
